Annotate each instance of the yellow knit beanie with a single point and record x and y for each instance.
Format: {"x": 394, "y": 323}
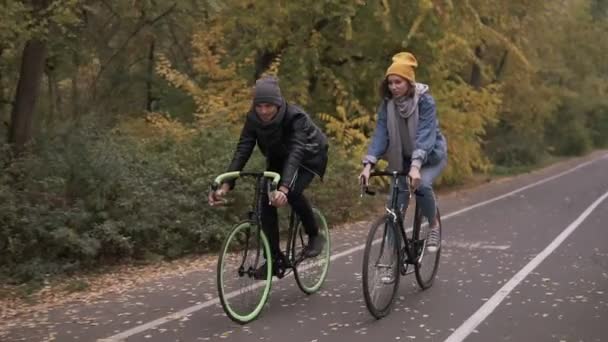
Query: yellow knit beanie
{"x": 403, "y": 65}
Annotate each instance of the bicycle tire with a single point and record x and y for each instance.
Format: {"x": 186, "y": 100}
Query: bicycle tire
{"x": 379, "y": 310}
{"x": 425, "y": 281}
{"x": 310, "y": 273}
{"x": 233, "y": 249}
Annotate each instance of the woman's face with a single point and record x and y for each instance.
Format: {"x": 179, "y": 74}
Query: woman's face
{"x": 398, "y": 85}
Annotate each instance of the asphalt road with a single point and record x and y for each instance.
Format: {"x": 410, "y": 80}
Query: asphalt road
{"x": 523, "y": 259}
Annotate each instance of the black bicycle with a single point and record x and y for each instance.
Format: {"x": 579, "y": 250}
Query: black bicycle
{"x": 390, "y": 253}
{"x": 245, "y": 249}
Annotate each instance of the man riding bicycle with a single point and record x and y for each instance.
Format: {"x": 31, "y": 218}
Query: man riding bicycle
{"x": 295, "y": 148}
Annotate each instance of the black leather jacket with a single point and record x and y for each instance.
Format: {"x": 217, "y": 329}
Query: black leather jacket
{"x": 290, "y": 141}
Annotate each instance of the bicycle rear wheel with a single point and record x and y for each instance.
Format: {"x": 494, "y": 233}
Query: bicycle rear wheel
{"x": 381, "y": 261}
{"x": 428, "y": 263}
{"x": 310, "y": 273}
{"x": 241, "y": 295}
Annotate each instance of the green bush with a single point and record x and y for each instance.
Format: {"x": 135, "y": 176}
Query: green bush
{"x": 507, "y": 147}
{"x": 91, "y": 197}
{"x": 97, "y": 197}
{"x": 598, "y": 125}
{"x": 567, "y": 134}
{"x": 338, "y": 194}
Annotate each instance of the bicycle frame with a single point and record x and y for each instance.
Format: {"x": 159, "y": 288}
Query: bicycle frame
{"x": 290, "y": 253}
{"x": 393, "y": 213}
{"x": 254, "y": 216}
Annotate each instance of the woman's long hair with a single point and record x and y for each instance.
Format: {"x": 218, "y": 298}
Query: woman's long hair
{"x": 385, "y": 92}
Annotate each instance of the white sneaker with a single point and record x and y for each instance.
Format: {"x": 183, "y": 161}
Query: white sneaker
{"x": 387, "y": 278}
{"x": 433, "y": 240}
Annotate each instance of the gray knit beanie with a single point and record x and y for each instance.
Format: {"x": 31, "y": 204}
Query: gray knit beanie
{"x": 267, "y": 91}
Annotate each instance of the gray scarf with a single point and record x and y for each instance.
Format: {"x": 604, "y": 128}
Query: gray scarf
{"x": 402, "y": 123}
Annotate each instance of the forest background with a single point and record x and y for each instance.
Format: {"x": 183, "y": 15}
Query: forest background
{"x": 116, "y": 114}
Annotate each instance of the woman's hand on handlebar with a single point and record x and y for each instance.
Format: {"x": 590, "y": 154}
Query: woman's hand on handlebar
{"x": 364, "y": 176}
{"x": 414, "y": 177}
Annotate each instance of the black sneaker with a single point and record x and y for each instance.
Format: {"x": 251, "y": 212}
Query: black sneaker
{"x": 315, "y": 246}
{"x": 261, "y": 272}
{"x": 432, "y": 240}
{"x": 278, "y": 263}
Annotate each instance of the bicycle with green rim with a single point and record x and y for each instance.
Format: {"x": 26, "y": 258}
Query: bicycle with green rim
{"x": 245, "y": 248}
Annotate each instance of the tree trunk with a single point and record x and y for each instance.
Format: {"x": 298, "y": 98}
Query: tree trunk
{"x": 183, "y": 54}
{"x": 149, "y": 98}
{"x": 28, "y": 88}
{"x": 476, "y": 70}
{"x": 4, "y": 101}
{"x": 263, "y": 62}
{"x": 75, "y": 92}
{"x": 51, "y": 89}
{"x": 501, "y": 65}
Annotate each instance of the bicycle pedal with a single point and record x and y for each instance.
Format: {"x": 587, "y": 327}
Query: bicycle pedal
{"x": 405, "y": 269}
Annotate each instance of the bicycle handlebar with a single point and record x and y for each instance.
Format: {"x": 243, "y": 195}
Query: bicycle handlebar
{"x": 365, "y": 188}
{"x": 236, "y": 174}
{"x": 388, "y": 173}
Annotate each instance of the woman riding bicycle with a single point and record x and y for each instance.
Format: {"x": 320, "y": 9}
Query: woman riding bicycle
{"x": 407, "y": 135}
{"x": 295, "y": 148}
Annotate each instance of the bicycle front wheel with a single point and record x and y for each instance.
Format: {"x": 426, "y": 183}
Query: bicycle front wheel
{"x": 310, "y": 273}
{"x": 242, "y": 296}
{"x": 381, "y": 261}
{"x": 428, "y": 262}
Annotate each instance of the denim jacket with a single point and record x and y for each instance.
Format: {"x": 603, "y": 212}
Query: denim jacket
{"x": 431, "y": 145}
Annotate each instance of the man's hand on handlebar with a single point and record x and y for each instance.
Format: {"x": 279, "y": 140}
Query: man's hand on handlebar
{"x": 217, "y": 197}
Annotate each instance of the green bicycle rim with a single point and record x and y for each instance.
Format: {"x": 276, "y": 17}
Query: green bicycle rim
{"x": 225, "y": 296}
{"x": 326, "y": 252}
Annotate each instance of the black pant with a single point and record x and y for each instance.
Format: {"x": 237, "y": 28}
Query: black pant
{"x": 299, "y": 203}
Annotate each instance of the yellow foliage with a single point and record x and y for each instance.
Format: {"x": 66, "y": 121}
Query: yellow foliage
{"x": 464, "y": 114}
{"x": 225, "y": 95}
{"x": 180, "y": 81}
{"x": 349, "y": 122}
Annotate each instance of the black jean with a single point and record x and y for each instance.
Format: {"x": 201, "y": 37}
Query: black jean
{"x": 298, "y": 202}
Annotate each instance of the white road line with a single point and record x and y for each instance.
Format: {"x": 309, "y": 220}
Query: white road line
{"x": 475, "y": 245}
{"x": 185, "y": 312}
{"x": 182, "y": 313}
{"x": 486, "y": 309}
{"x": 542, "y": 181}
